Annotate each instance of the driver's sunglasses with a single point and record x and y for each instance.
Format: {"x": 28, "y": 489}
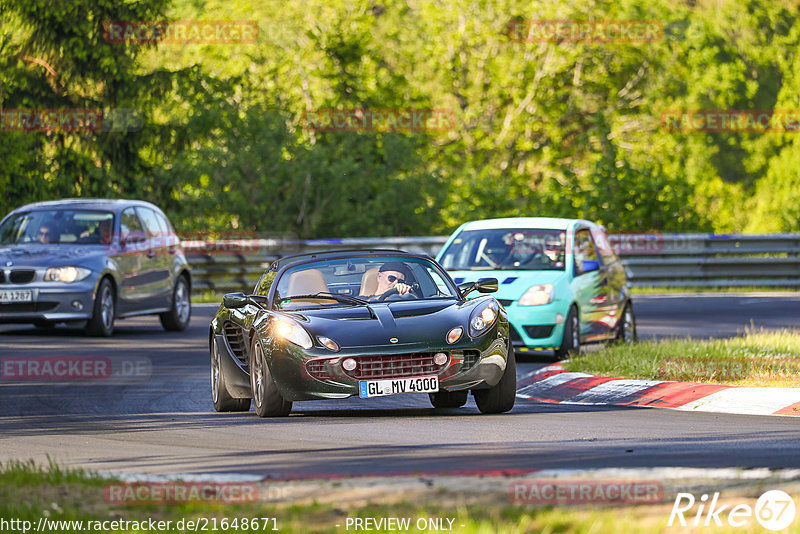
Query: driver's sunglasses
{"x": 392, "y": 278}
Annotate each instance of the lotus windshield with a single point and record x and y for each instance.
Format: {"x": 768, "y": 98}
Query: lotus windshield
{"x": 58, "y": 227}
{"x": 506, "y": 249}
{"x": 359, "y": 281}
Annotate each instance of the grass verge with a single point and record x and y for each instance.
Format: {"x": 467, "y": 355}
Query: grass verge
{"x": 755, "y": 358}
{"x": 207, "y": 296}
{"x": 29, "y": 493}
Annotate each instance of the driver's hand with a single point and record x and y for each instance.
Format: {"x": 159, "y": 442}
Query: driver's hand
{"x": 402, "y": 289}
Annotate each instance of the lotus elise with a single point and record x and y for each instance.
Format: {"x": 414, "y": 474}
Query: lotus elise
{"x": 333, "y": 325}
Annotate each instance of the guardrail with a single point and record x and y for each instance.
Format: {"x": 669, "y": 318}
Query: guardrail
{"x": 664, "y": 260}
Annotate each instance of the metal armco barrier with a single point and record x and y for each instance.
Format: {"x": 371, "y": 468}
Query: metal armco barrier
{"x": 652, "y": 259}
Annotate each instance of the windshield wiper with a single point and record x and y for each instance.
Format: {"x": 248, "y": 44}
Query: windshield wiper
{"x": 325, "y": 294}
{"x": 337, "y": 297}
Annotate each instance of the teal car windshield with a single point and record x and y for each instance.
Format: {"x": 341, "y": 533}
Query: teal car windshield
{"x": 506, "y": 249}
{"x": 355, "y": 280}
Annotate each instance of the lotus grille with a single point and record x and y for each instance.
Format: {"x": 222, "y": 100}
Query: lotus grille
{"x": 395, "y": 366}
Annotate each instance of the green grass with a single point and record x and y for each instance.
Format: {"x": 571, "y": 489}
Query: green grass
{"x": 206, "y": 297}
{"x": 755, "y": 358}
{"x": 29, "y": 492}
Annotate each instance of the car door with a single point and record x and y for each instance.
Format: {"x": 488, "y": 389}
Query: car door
{"x": 130, "y": 261}
{"x": 614, "y": 273}
{"x": 157, "y": 260}
{"x": 590, "y": 287}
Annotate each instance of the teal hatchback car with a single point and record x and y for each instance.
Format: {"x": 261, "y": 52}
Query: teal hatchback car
{"x": 559, "y": 280}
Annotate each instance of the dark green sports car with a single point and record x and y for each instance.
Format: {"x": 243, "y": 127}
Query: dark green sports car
{"x": 369, "y": 323}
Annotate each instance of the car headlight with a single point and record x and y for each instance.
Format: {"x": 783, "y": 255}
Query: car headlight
{"x": 537, "y": 295}
{"x": 292, "y": 332}
{"x": 482, "y": 318}
{"x": 66, "y": 274}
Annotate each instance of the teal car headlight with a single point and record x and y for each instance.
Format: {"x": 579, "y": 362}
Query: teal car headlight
{"x": 482, "y": 318}
{"x": 292, "y": 332}
{"x": 537, "y": 295}
{"x": 66, "y": 274}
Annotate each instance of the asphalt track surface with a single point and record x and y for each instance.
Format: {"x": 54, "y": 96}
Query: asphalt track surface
{"x": 164, "y": 422}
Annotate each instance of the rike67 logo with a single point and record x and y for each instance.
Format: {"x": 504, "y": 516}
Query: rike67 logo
{"x": 774, "y": 510}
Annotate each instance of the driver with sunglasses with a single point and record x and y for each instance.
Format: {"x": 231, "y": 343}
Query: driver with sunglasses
{"x": 391, "y": 275}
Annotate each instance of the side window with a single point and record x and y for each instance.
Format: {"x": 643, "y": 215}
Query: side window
{"x": 584, "y": 249}
{"x": 150, "y": 221}
{"x": 131, "y": 229}
{"x": 604, "y": 247}
{"x": 265, "y": 282}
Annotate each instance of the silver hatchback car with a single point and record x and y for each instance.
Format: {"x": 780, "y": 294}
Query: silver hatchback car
{"x": 92, "y": 260}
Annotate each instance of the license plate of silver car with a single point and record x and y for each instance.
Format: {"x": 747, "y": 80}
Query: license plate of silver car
{"x": 8, "y": 296}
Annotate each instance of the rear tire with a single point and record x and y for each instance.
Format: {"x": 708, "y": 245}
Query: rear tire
{"x": 626, "y": 334}
{"x": 223, "y": 402}
{"x": 267, "y": 400}
{"x": 177, "y": 318}
{"x": 571, "y": 340}
{"x": 501, "y": 397}
{"x": 449, "y": 399}
{"x": 104, "y": 311}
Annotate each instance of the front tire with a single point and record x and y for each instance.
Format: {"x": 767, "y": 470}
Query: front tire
{"x": 267, "y": 400}
{"x": 177, "y": 318}
{"x": 223, "y": 402}
{"x": 104, "y": 311}
{"x": 449, "y": 399}
{"x": 501, "y": 397}
{"x": 571, "y": 340}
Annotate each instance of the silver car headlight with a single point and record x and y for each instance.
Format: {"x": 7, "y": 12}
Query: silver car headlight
{"x": 292, "y": 332}
{"x": 537, "y": 295}
{"x": 66, "y": 274}
{"x": 482, "y": 318}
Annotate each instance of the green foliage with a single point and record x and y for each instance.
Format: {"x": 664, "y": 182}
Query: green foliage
{"x": 568, "y": 128}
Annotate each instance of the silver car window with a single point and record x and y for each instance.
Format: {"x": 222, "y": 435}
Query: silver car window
{"x": 130, "y": 225}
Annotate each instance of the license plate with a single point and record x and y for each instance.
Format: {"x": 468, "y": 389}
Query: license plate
{"x": 379, "y": 388}
{"x": 15, "y": 295}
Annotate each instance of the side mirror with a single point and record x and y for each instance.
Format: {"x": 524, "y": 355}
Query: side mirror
{"x": 235, "y": 300}
{"x": 589, "y": 265}
{"x": 486, "y": 285}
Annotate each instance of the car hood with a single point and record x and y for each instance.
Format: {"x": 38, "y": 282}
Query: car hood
{"x": 49, "y": 255}
{"x": 412, "y": 324}
{"x": 511, "y": 284}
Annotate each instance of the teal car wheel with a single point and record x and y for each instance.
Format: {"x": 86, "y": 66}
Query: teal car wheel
{"x": 571, "y": 341}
